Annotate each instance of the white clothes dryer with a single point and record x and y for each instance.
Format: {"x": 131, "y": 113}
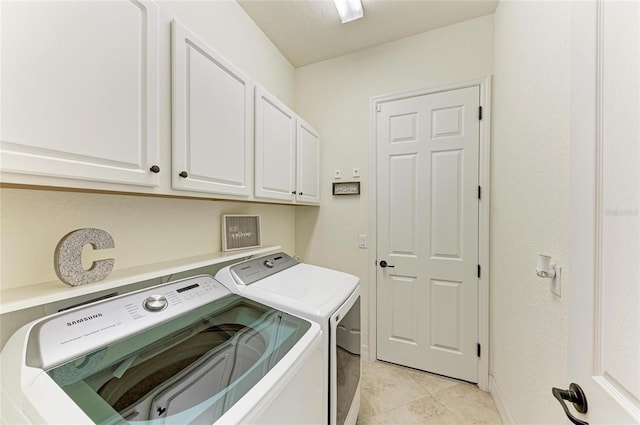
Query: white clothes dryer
{"x": 185, "y": 352}
{"x": 328, "y": 297}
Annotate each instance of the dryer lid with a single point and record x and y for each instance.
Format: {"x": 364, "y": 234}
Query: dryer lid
{"x": 303, "y": 289}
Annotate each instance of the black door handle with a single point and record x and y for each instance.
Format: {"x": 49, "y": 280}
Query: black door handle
{"x": 573, "y": 395}
{"x": 384, "y": 264}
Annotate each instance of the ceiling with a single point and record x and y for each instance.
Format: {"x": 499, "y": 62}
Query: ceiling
{"x": 308, "y": 31}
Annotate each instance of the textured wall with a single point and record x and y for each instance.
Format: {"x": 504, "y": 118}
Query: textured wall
{"x": 226, "y": 27}
{"x": 529, "y": 205}
{"x": 145, "y": 230}
{"x": 334, "y": 96}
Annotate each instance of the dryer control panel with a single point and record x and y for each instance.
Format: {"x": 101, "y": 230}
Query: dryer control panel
{"x": 67, "y": 335}
{"x": 251, "y": 271}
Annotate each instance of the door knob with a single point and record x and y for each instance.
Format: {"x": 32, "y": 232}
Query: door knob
{"x": 573, "y": 395}
{"x": 384, "y": 264}
{"x": 184, "y": 174}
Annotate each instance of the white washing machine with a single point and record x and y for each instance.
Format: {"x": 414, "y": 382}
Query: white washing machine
{"x": 329, "y": 297}
{"x": 185, "y": 352}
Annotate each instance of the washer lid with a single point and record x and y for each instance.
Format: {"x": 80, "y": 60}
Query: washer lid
{"x": 306, "y": 290}
{"x": 189, "y": 370}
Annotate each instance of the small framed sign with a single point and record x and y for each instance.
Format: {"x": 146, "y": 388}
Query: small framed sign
{"x": 240, "y": 232}
{"x": 346, "y": 188}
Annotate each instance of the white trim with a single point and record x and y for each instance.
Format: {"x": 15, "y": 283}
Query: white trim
{"x": 483, "y": 215}
{"x": 364, "y": 350}
{"x": 599, "y": 190}
{"x": 501, "y": 406}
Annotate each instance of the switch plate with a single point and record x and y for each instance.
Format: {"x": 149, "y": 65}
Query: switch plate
{"x": 362, "y": 241}
{"x": 356, "y": 173}
{"x": 337, "y": 174}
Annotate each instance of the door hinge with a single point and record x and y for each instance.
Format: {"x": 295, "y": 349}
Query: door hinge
{"x": 479, "y": 349}
{"x": 480, "y": 112}
{"x": 479, "y": 269}
{"x": 479, "y": 192}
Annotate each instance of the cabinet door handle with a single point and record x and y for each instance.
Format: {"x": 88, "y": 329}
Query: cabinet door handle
{"x": 300, "y": 194}
{"x": 154, "y": 169}
{"x": 294, "y": 192}
{"x": 184, "y": 174}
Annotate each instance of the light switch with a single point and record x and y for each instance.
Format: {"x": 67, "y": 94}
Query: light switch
{"x": 362, "y": 241}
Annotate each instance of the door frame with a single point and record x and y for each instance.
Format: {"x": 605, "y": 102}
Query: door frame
{"x": 484, "y": 158}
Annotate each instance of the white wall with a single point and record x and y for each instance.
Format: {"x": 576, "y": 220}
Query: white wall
{"x": 146, "y": 229}
{"x": 334, "y": 96}
{"x": 529, "y": 206}
{"x": 226, "y": 27}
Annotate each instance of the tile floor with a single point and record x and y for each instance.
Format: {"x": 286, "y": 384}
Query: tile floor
{"x": 393, "y": 394}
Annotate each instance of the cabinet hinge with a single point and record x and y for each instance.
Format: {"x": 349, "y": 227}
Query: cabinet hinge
{"x": 480, "y": 112}
{"x": 378, "y": 107}
{"x": 479, "y": 269}
{"x": 478, "y": 349}
{"x": 479, "y": 192}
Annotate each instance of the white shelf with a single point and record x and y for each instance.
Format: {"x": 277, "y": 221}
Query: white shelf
{"x": 43, "y": 293}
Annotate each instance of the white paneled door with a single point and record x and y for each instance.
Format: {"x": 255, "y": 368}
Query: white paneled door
{"x": 308, "y": 169}
{"x": 80, "y": 91}
{"x": 604, "y": 301}
{"x": 427, "y": 232}
{"x": 275, "y": 145}
{"x": 212, "y": 119}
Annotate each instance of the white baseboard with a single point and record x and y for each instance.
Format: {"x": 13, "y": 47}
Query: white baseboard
{"x": 503, "y": 411}
{"x": 364, "y": 352}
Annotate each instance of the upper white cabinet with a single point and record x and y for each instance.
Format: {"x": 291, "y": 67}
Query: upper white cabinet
{"x": 308, "y": 170}
{"x": 80, "y": 91}
{"x": 212, "y": 116}
{"x": 287, "y": 152}
{"x": 275, "y": 148}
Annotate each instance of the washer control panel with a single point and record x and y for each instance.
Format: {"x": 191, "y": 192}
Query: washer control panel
{"x": 251, "y": 271}
{"x": 67, "y": 335}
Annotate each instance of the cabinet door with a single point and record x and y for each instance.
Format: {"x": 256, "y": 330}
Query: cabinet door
{"x": 275, "y": 148}
{"x": 212, "y": 119}
{"x": 308, "y": 164}
{"x": 80, "y": 91}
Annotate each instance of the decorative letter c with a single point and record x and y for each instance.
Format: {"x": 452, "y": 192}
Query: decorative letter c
{"x": 68, "y": 257}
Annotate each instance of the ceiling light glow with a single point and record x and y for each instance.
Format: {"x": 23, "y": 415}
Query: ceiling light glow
{"x": 349, "y": 10}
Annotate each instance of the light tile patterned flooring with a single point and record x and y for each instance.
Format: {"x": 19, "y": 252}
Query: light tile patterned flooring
{"x": 393, "y": 394}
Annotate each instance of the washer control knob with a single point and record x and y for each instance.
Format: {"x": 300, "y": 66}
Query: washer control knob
{"x": 268, "y": 264}
{"x": 155, "y": 303}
